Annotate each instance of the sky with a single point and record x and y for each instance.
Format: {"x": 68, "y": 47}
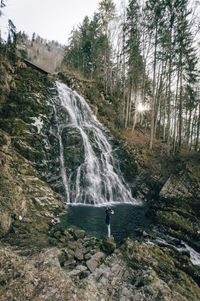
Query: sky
{"x": 52, "y": 20}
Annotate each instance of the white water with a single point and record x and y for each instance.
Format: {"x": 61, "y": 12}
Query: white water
{"x": 194, "y": 255}
{"x": 102, "y": 183}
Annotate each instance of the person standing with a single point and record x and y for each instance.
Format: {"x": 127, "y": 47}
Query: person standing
{"x": 109, "y": 211}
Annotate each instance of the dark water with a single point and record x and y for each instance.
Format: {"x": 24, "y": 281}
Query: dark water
{"x": 125, "y": 220}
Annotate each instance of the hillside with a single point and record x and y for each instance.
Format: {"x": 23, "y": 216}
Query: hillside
{"x": 40, "y": 260}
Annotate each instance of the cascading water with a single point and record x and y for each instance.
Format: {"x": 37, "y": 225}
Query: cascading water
{"x": 95, "y": 180}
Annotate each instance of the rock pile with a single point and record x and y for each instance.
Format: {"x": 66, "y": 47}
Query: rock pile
{"x": 81, "y": 254}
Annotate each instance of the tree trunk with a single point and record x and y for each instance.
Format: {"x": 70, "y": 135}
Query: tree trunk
{"x": 154, "y": 86}
{"x": 169, "y": 92}
{"x": 189, "y": 134}
{"x": 180, "y": 108}
{"x": 175, "y": 117}
{"x": 198, "y": 130}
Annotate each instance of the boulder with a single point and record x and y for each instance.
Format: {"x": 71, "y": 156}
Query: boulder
{"x": 108, "y": 246}
{"x": 78, "y": 270}
{"x": 62, "y": 257}
{"x": 78, "y": 254}
{"x": 176, "y": 188}
{"x": 87, "y": 256}
{"x": 94, "y": 261}
{"x": 68, "y": 235}
{"x": 70, "y": 263}
{"x": 57, "y": 234}
{"x": 79, "y": 234}
{"x": 62, "y": 239}
{"x": 141, "y": 233}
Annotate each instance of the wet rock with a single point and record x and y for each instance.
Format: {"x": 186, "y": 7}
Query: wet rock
{"x": 73, "y": 148}
{"x": 141, "y": 233}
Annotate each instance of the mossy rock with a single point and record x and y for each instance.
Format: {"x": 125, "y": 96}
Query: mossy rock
{"x": 28, "y": 152}
{"x": 3, "y": 140}
{"x": 108, "y": 246}
{"x": 176, "y": 222}
{"x": 73, "y": 148}
{"x": 63, "y": 239}
{"x": 68, "y": 236}
{"x": 14, "y": 126}
{"x": 37, "y": 226}
{"x": 62, "y": 257}
{"x": 79, "y": 234}
{"x": 57, "y": 234}
{"x": 52, "y": 241}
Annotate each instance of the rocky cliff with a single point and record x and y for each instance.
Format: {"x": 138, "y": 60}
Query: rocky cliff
{"x": 41, "y": 260}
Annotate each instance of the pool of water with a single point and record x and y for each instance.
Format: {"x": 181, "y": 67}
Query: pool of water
{"x": 125, "y": 220}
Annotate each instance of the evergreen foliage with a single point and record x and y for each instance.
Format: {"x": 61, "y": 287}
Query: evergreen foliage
{"x": 89, "y": 49}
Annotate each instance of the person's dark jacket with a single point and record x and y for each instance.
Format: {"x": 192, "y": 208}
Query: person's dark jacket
{"x": 108, "y": 213}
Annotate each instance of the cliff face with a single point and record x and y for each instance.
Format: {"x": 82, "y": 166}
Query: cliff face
{"x": 24, "y": 196}
{"x": 40, "y": 260}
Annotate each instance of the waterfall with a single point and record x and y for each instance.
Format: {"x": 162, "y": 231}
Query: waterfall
{"x": 95, "y": 180}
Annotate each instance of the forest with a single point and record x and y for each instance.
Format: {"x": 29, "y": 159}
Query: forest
{"x": 146, "y": 56}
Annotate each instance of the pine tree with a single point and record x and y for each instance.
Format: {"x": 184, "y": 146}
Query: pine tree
{"x": 72, "y": 58}
{"x": 186, "y": 65}
{"x": 89, "y": 49}
{"x": 155, "y": 12}
{"x": 106, "y": 15}
{"x": 2, "y": 4}
{"x": 12, "y": 41}
{"x": 134, "y": 57}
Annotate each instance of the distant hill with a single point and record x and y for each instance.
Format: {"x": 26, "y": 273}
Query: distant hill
{"x": 48, "y": 55}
